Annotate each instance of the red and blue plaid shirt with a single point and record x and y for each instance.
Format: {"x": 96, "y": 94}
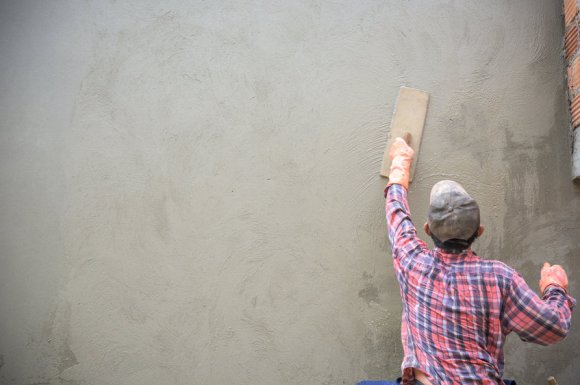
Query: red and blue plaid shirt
{"x": 458, "y": 309}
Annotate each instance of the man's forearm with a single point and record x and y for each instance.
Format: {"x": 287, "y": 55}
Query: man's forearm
{"x": 543, "y": 321}
{"x": 400, "y": 227}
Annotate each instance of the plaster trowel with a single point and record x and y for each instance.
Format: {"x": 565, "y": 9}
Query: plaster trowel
{"x": 407, "y": 122}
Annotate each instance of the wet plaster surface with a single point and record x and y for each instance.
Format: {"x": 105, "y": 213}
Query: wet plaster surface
{"x": 190, "y": 190}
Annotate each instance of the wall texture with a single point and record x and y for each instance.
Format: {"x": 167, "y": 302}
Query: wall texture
{"x": 190, "y": 190}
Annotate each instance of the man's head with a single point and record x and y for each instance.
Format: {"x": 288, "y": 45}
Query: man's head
{"x": 453, "y": 217}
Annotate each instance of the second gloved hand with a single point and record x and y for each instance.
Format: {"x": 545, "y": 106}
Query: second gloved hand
{"x": 553, "y": 275}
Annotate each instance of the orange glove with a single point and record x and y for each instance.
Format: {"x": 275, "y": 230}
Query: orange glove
{"x": 401, "y": 155}
{"x": 553, "y": 275}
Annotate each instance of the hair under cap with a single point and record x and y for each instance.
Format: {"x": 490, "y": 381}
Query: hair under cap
{"x": 453, "y": 214}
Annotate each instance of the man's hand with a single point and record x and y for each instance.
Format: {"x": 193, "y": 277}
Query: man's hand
{"x": 401, "y": 155}
{"x": 553, "y": 275}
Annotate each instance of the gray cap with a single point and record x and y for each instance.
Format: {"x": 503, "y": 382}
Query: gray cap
{"x": 453, "y": 214}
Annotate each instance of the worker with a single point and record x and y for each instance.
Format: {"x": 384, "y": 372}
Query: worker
{"x": 459, "y": 308}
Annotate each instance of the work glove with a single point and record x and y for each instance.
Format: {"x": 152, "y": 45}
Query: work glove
{"x": 401, "y": 155}
{"x": 553, "y": 275}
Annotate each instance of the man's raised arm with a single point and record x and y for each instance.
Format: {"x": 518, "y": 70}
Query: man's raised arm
{"x": 402, "y": 233}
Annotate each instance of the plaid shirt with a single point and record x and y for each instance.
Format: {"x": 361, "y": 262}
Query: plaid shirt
{"x": 458, "y": 309}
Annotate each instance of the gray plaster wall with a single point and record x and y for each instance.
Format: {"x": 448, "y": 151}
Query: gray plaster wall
{"x": 190, "y": 189}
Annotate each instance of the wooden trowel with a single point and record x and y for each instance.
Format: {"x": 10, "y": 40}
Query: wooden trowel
{"x": 407, "y": 122}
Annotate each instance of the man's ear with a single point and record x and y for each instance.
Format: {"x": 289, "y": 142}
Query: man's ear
{"x": 480, "y": 231}
{"x": 427, "y": 229}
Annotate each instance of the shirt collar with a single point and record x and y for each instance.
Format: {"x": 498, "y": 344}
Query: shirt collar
{"x": 465, "y": 256}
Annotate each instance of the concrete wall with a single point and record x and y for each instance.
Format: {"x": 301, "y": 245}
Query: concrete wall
{"x": 190, "y": 190}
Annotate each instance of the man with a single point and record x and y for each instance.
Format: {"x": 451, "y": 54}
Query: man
{"x": 457, "y": 308}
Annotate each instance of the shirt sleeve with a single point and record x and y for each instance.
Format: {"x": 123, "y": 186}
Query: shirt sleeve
{"x": 402, "y": 232}
{"x": 542, "y": 321}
